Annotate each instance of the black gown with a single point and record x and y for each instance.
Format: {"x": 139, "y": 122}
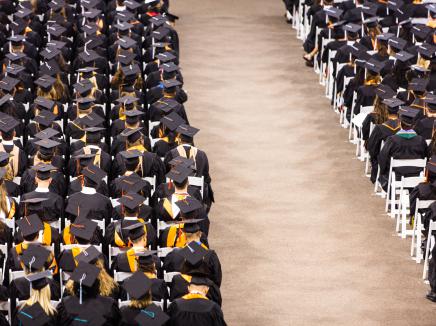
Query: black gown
{"x": 100, "y": 206}
{"x": 195, "y": 311}
{"x": 128, "y": 315}
{"x": 179, "y": 288}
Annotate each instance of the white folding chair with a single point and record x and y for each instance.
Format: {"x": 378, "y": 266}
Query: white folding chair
{"x": 357, "y": 123}
{"x": 13, "y": 275}
{"x": 162, "y": 225}
{"x": 162, "y": 252}
{"x": 366, "y": 154}
{"x": 151, "y": 125}
{"x": 168, "y": 276}
{"x": 350, "y": 123}
{"x": 4, "y": 250}
{"x": 428, "y": 248}
{"x": 394, "y": 185}
{"x": 198, "y": 182}
{"x": 329, "y": 85}
{"x": 340, "y": 102}
{"x": 415, "y": 247}
{"x": 401, "y": 218}
{"x": 121, "y": 276}
{"x": 10, "y": 222}
{"x": 114, "y": 251}
{"x": 152, "y": 182}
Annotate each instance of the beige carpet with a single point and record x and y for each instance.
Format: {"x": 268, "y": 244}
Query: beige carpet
{"x": 301, "y": 239}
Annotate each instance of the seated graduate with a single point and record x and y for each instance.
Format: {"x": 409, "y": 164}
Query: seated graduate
{"x": 141, "y": 310}
{"x": 131, "y": 139}
{"x": 92, "y": 142}
{"x": 130, "y": 211}
{"x": 195, "y": 308}
{"x": 205, "y": 259}
{"x": 82, "y": 231}
{"x": 88, "y": 119}
{"x": 37, "y": 309}
{"x": 107, "y": 286}
{"x": 166, "y": 133}
{"x": 426, "y": 126}
{"x": 8, "y": 205}
{"x": 143, "y": 164}
{"x": 48, "y": 205}
{"x": 425, "y": 190}
{"x": 86, "y": 304}
{"x": 43, "y": 119}
{"x": 47, "y": 235}
{"x": 190, "y": 228}
{"x": 89, "y": 155}
{"x": 166, "y": 106}
{"x": 130, "y": 182}
{"x": 89, "y": 200}
{"x": 186, "y": 149}
{"x": 35, "y": 260}
{"x": 49, "y": 133}
{"x": 44, "y": 177}
{"x": 137, "y": 242}
{"x": 390, "y": 126}
{"x": 17, "y": 157}
{"x": 132, "y": 121}
{"x": 405, "y": 144}
{"x": 47, "y": 153}
{"x": 91, "y": 177}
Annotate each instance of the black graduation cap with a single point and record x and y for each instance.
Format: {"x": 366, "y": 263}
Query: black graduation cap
{"x": 89, "y": 56}
{"x": 131, "y": 200}
{"x": 130, "y": 154}
{"x": 35, "y": 257}
{"x": 397, "y": 43}
{"x": 126, "y": 42}
{"x": 167, "y": 57}
{"x": 145, "y": 257}
{"x": 187, "y": 130}
{"x": 7, "y": 123}
{"x": 194, "y": 253}
{"x": 369, "y": 9}
{"x": 129, "y": 132}
{"x": 124, "y": 15}
{"x": 371, "y": 22}
{"x": 127, "y": 100}
{"x": 192, "y": 225}
{"x": 50, "y": 68}
{"x": 426, "y": 50}
{"x": 43, "y": 170}
{"x": 39, "y": 280}
{"x": 5, "y": 99}
{"x": 87, "y": 69}
{"x": 8, "y": 83}
{"x": 393, "y": 104}
{"x": 131, "y": 70}
{"x": 85, "y": 273}
{"x": 45, "y": 118}
{"x": 92, "y": 120}
{"x": 171, "y": 83}
{"x": 385, "y": 37}
{"x": 179, "y": 173}
{"x": 158, "y": 20}
{"x": 44, "y": 102}
{"x": 82, "y": 156}
{"x": 160, "y": 33}
{"x": 89, "y": 4}
{"x": 125, "y": 57}
{"x": 47, "y": 143}
{"x": 92, "y": 13}
{"x": 421, "y": 31}
{"x": 408, "y": 114}
{"x": 123, "y": 26}
{"x": 166, "y": 105}
{"x": 133, "y": 183}
{"x": 152, "y": 315}
{"x": 56, "y": 4}
{"x": 374, "y": 65}
{"x": 94, "y": 173}
{"x": 83, "y": 227}
{"x": 56, "y": 29}
{"x": 50, "y": 52}
{"x": 403, "y": 56}
{"x": 90, "y": 28}
{"x": 418, "y": 84}
{"x": 46, "y": 81}
{"x": 384, "y": 92}
{"x": 333, "y": 12}
{"x": 182, "y": 161}
{"x": 395, "y": 4}
{"x": 138, "y": 285}
{"x": 169, "y": 67}
{"x": 33, "y": 315}
{"x": 90, "y": 255}
{"x": 352, "y": 28}
{"x": 84, "y": 101}
{"x": 189, "y": 204}
{"x": 430, "y": 98}
{"x": 23, "y": 12}
{"x": 83, "y": 86}
{"x": 132, "y": 5}
{"x": 135, "y": 231}
{"x": 15, "y": 56}
{"x": 431, "y": 7}
{"x": 30, "y": 225}
{"x": 172, "y": 121}
{"x": 133, "y": 113}
{"x": 47, "y": 133}
{"x": 14, "y": 69}
{"x": 18, "y": 25}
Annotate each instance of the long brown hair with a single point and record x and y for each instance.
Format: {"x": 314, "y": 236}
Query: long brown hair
{"x": 380, "y": 110}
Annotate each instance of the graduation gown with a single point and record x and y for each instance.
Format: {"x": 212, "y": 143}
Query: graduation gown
{"x": 52, "y": 208}
{"x": 70, "y": 308}
{"x": 51, "y": 322}
{"x": 100, "y": 206}
{"x": 174, "y": 262}
{"x": 76, "y": 186}
{"x": 424, "y": 127}
{"x": 116, "y": 235}
{"x": 128, "y": 315}
{"x": 58, "y": 184}
{"x": 380, "y": 133}
{"x": 120, "y": 185}
{"x": 179, "y": 288}
{"x": 127, "y": 262}
{"x": 20, "y": 289}
{"x": 401, "y": 146}
{"x": 423, "y": 191}
{"x": 195, "y": 310}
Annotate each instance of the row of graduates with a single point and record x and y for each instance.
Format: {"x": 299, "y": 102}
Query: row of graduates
{"x": 388, "y": 51}
{"x": 61, "y": 80}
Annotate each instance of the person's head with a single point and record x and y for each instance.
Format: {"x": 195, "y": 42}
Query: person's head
{"x": 380, "y": 110}
{"x": 42, "y": 296}
{"x": 202, "y": 288}
{"x": 181, "y": 185}
{"x": 406, "y": 125}
{"x": 140, "y": 241}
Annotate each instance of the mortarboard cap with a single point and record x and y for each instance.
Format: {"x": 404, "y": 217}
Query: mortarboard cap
{"x": 194, "y": 253}
{"x": 397, "y": 43}
{"x": 374, "y": 65}
{"x": 182, "y": 161}
{"x": 49, "y": 68}
{"x": 15, "y": 56}
{"x": 89, "y": 256}
{"x": 39, "y": 280}
{"x": 7, "y": 123}
{"x": 45, "y": 118}
{"x": 89, "y": 56}
{"x": 138, "y": 285}
{"x": 172, "y": 121}
{"x": 123, "y": 26}
{"x": 393, "y": 104}
{"x": 23, "y": 12}
{"x": 30, "y": 225}
{"x": 179, "y": 174}
{"x": 83, "y": 86}
{"x": 352, "y": 28}
{"x": 44, "y": 102}
{"x": 126, "y": 57}
{"x": 131, "y": 200}
{"x": 187, "y": 130}
{"x": 171, "y": 83}
{"x": 418, "y": 84}
{"x": 169, "y": 67}
{"x": 136, "y": 230}
{"x": 92, "y": 120}
{"x": 92, "y": 13}
{"x": 14, "y": 69}
{"x": 56, "y": 30}
{"x": 133, "y": 183}
{"x": 426, "y": 50}
{"x": 409, "y": 115}
{"x": 47, "y": 133}
{"x": 47, "y": 143}
{"x": 8, "y": 83}
{"x": 83, "y": 227}
{"x": 167, "y": 57}
{"x": 94, "y": 173}
{"x": 35, "y": 257}
{"x": 43, "y": 170}
{"x": 152, "y": 315}
{"x": 131, "y": 70}
{"x": 384, "y": 92}
{"x": 85, "y": 273}
{"x": 403, "y": 56}
{"x": 50, "y": 52}
{"x": 127, "y": 100}
{"x": 126, "y": 42}
{"x": 46, "y": 81}
{"x": 130, "y": 154}
{"x": 189, "y": 204}
{"x": 6, "y": 98}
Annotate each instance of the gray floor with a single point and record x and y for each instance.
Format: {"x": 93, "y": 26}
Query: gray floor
{"x": 301, "y": 239}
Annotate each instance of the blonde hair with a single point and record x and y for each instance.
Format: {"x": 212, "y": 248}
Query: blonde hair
{"x": 43, "y": 297}
{"x": 107, "y": 284}
{"x": 139, "y": 304}
{"x": 4, "y": 199}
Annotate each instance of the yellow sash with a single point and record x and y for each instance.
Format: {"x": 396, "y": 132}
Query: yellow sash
{"x": 46, "y": 235}
{"x": 191, "y": 296}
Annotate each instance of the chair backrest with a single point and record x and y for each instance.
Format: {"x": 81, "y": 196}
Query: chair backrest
{"x": 162, "y": 252}
{"x": 423, "y": 204}
{"x": 418, "y": 162}
{"x": 152, "y": 182}
{"x": 151, "y": 125}
{"x": 10, "y": 222}
{"x": 114, "y": 251}
{"x": 160, "y": 304}
{"x": 411, "y": 182}
{"x": 197, "y": 181}
{"x": 428, "y": 141}
{"x": 168, "y": 276}
{"x": 121, "y": 276}
{"x": 367, "y": 109}
{"x": 83, "y": 247}
{"x": 13, "y": 275}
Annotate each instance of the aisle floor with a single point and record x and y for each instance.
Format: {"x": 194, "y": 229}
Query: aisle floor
{"x": 301, "y": 238}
